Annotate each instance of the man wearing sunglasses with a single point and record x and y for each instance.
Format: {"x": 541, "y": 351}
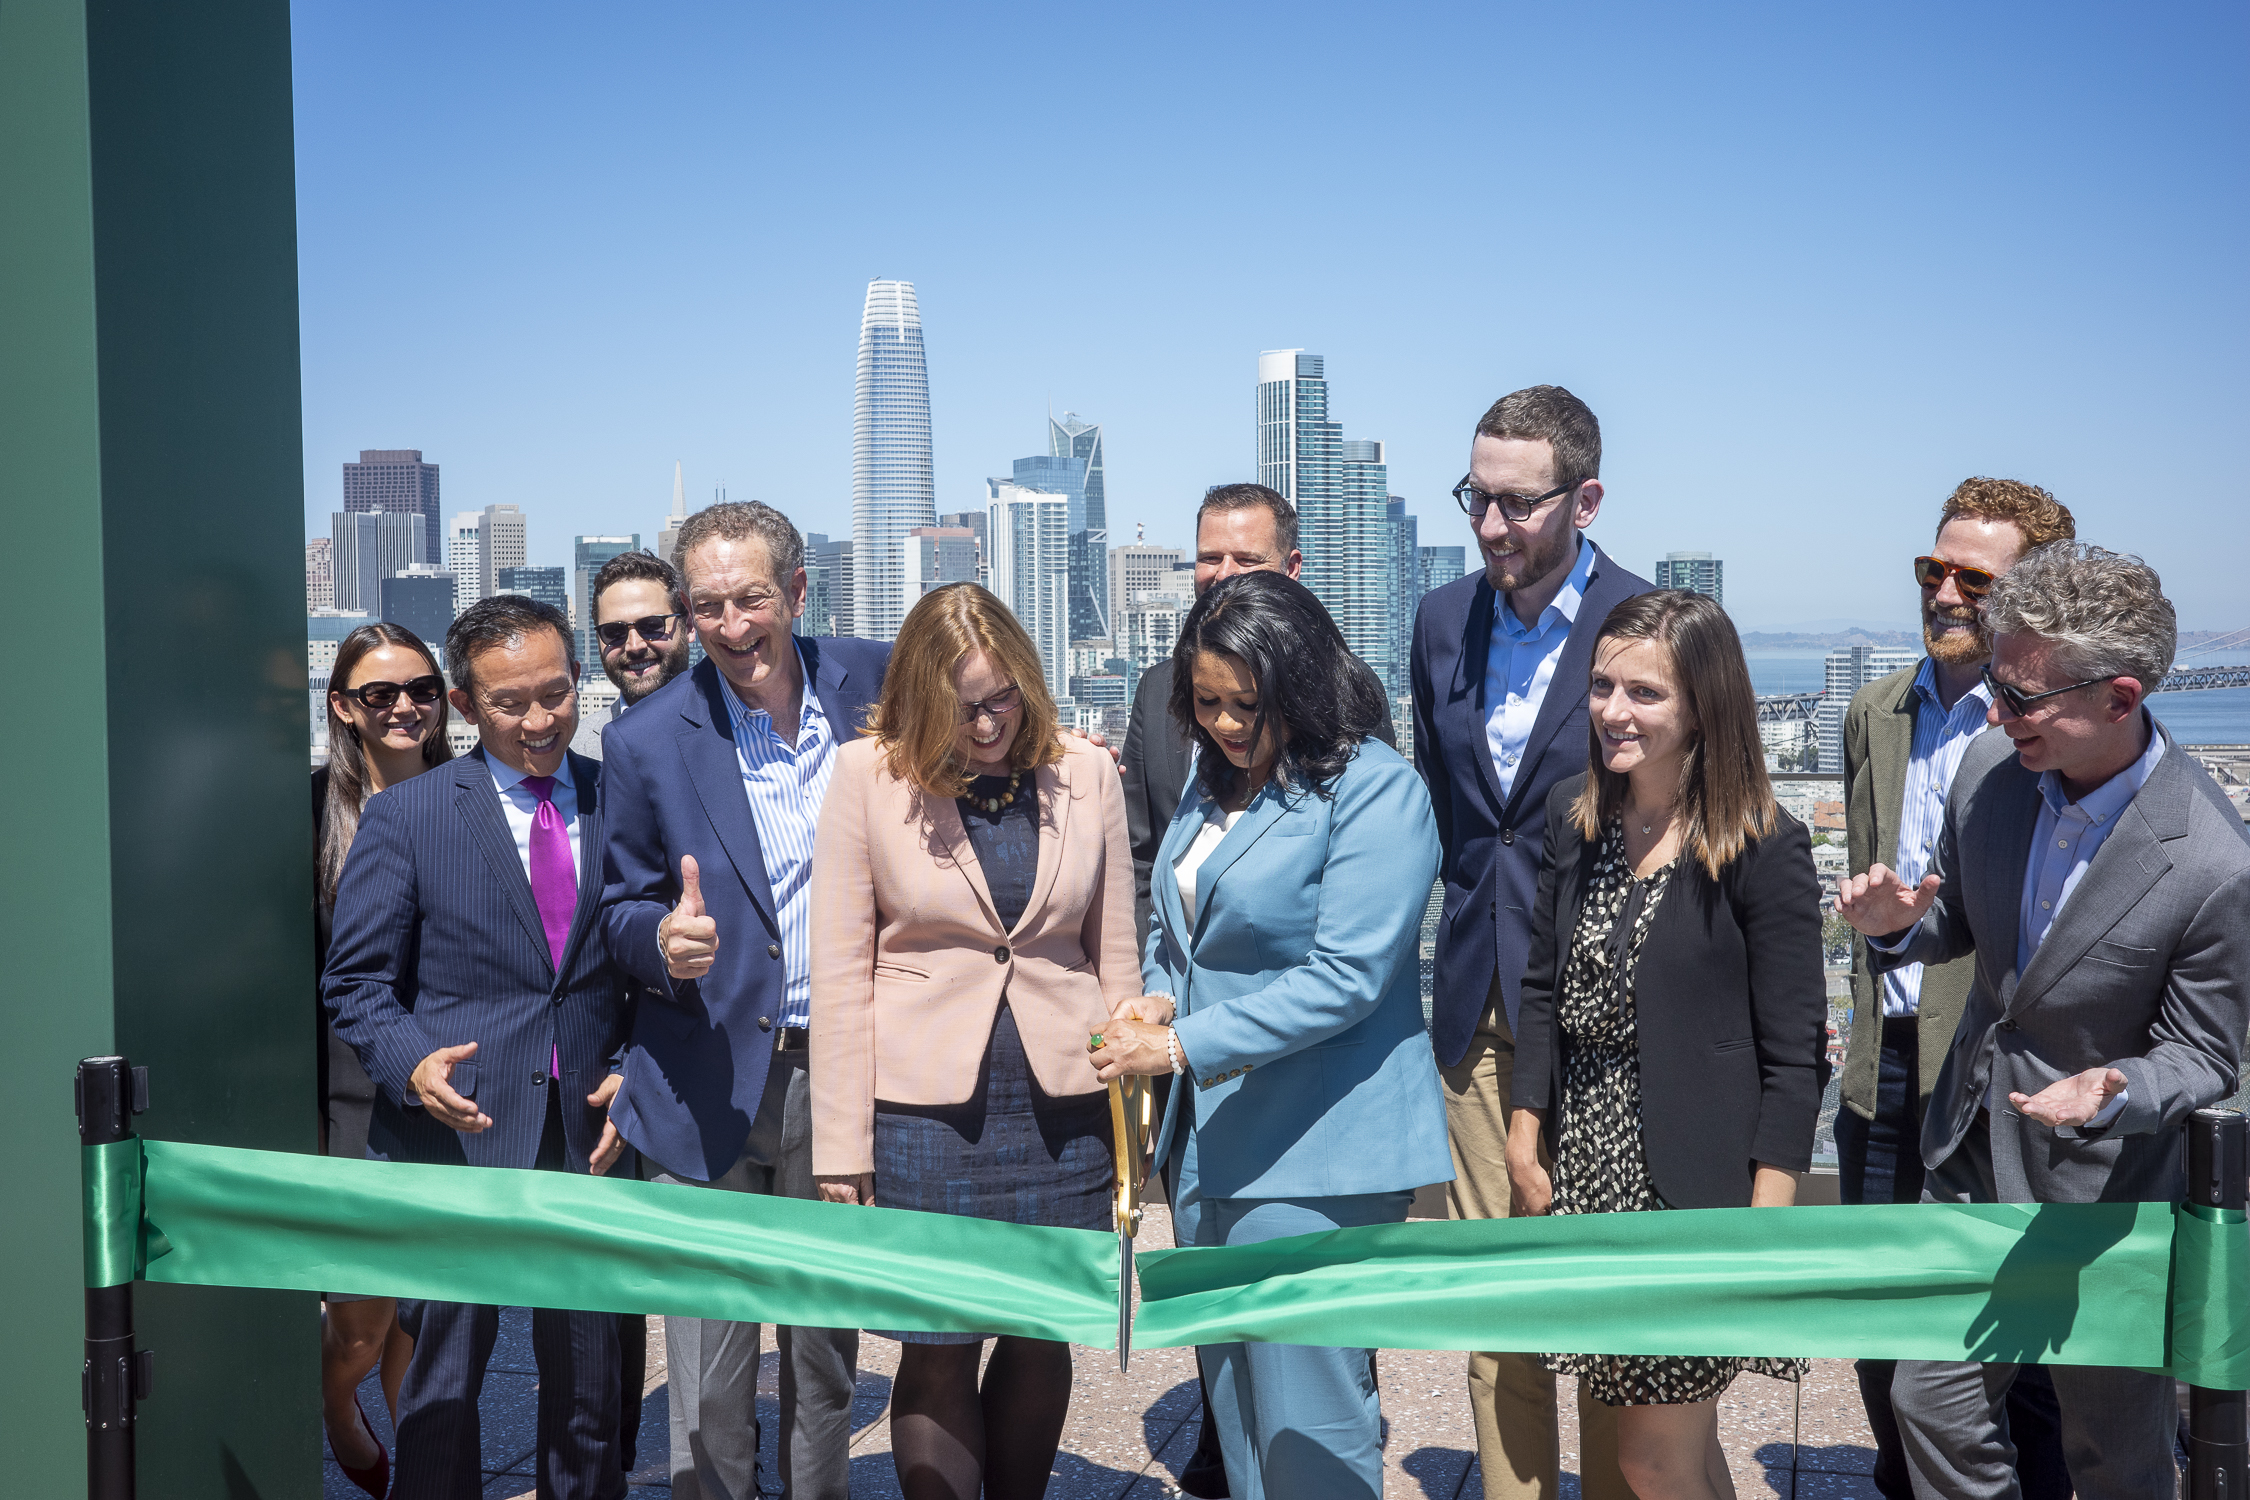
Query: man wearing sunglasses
{"x": 1500, "y": 674}
{"x": 2101, "y": 882}
{"x": 641, "y": 630}
{"x": 1904, "y": 737}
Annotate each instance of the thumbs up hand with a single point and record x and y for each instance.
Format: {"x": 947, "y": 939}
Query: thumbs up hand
{"x": 686, "y": 936}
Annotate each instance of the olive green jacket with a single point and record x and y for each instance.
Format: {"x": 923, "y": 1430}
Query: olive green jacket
{"x": 1878, "y": 740}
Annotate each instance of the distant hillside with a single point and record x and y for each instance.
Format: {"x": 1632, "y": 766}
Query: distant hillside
{"x": 1792, "y": 640}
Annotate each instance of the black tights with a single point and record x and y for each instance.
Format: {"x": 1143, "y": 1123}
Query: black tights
{"x": 952, "y": 1441}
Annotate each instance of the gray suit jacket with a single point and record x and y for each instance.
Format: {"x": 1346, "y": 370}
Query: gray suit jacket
{"x": 2146, "y": 969}
{"x": 1878, "y": 742}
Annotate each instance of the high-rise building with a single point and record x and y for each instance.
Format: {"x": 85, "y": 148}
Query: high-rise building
{"x": 500, "y": 544}
{"x": 1030, "y": 559}
{"x": 396, "y": 480}
{"x": 588, "y": 553}
{"x": 421, "y": 599}
{"x": 1342, "y": 493}
{"x": 464, "y": 554}
{"x": 1850, "y": 668}
{"x": 1697, "y": 572}
{"x": 366, "y": 547}
{"x": 975, "y": 521}
{"x": 1441, "y": 565}
{"x": 1071, "y": 436}
{"x": 834, "y": 559}
{"x": 669, "y": 537}
{"x": 1065, "y": 475}
{"x": 547, "y": 585}
{"x": 1135, "y": 569}
{"x": 894, "y": 483}
{"x": 937, "y": 555}
{"x": 1403, "y": 533}
{"x": 320, "y": 578}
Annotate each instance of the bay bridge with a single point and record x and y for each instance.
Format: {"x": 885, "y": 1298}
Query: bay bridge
{"x": 1791, "y": 708}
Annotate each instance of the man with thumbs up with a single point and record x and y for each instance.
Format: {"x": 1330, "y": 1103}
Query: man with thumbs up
{"x": 714, "y": 786}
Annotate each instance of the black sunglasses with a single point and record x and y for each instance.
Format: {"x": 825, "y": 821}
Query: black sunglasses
{"x": 378, "y": 696}
{"x": 2019, "y": 702}
{"x": 999, "y": 705}
{"x": 1475, "y": 502}
{"x": 655, "y": 629}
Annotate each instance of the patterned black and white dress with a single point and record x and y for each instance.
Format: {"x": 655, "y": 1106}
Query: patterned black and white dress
{"x": 1600, "y": 1166}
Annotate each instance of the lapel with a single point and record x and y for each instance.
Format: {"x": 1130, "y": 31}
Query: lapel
{"x": 827, "y": 677}
{"x": 1566, "y": 689}
{"x": 1466, "y": 701}
{"x": 1580, "y": 854}
{"x": 585, "y": 777}
{"x": 1053, "y": 791}
{"x": 1890, "y": 745}
{"x": 1164, "y": 889}
{"x": 478, "y": 802}
{"x": 2000, "y": 847}
{"x": 706, "y": 741}
{"x": 2128, "y": 864}
{"x": 1265, "y": 810}
{"x": 949, "y": 845}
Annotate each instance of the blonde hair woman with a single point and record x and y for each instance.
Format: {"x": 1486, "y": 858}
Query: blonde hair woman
{"x": 972, "y": 924}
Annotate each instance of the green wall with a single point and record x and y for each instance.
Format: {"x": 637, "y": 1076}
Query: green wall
{"x": 157, "y": 895}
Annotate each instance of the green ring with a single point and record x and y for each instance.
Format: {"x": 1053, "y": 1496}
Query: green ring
{"x": 1094, "y": 1042}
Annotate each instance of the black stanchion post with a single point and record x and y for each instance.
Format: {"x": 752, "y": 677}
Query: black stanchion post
{"x": 2218, "y": 1443}
{"x": 110, "y": 1092}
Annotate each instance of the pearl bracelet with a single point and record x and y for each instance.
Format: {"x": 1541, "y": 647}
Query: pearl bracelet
{"x": 1172, "y": 1050}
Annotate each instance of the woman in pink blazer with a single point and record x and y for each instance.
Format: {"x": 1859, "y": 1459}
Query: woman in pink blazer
{"x": 972, "y": 910}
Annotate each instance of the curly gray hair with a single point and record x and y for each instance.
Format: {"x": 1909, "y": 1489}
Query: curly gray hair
{"x": 2104, "y": 611}
{"x": 742, "y": 521}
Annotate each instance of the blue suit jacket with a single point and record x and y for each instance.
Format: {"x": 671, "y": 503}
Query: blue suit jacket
{"x": 1299, "y": 991}
{"x": 701, "y": 1047}
{"x": 438, "y": 942}
{"x": 1493, "y": 844}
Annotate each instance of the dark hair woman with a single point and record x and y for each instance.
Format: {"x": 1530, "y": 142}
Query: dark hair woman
{"x": 1668, "y": 1049}
{"x": 386, "y": 724}
{"x": 1291, "y": 884}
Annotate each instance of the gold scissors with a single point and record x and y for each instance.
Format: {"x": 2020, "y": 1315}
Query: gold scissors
{"x": 1132, "y": 1121}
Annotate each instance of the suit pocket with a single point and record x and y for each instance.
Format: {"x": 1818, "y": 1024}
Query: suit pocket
{"x": 900, "y": 971}
{"x": 1738, "y": 1044}
{"x": 2120, "y": 955}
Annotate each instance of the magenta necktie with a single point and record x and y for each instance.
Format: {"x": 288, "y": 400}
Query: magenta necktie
{"x": 554, "y": 879}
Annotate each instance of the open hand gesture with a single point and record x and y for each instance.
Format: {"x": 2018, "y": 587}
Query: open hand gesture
{"x": 1878, "y": 903}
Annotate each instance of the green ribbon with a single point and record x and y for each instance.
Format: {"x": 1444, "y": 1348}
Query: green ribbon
{"x": 2131, "y": 1284}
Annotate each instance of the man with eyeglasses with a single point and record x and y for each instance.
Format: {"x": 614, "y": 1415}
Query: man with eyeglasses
{"x": 1904, "y": 737}
{"x": 641, "y": 630}
{"x": 714, "y": 787}
{"x": 1500, "y": 674}
{"x": 2100, "y": 881}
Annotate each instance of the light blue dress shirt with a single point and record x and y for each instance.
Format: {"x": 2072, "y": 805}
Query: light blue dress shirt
{"x": 785, "y": 785}
{"x": 520, "y": 807}
{"x": 1941, "y": 738}
{"x": 1521, "y": 665}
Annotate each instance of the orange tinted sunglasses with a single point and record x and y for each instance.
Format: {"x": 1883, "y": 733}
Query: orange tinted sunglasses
{"x": 1931, "y": 573}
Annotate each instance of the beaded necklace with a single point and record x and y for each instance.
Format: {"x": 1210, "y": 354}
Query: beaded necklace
{"x": 990, "y": 805}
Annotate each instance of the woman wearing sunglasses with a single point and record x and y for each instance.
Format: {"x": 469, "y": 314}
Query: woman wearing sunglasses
{"x": 386, "y": 724}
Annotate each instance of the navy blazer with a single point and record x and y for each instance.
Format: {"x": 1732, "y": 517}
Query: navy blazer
{"x": 437, "y": 942}
{"x": 701, "y": 1047}
{"x": 1492, "y": 846}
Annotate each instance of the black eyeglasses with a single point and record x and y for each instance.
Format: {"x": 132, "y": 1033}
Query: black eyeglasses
{"x": 378, "y": 696}
{"x": 999, "y": 703}
{"x": 1475, "y": 502}
{"x": 655, "y": 629}
{"x": 2019, "y": 702}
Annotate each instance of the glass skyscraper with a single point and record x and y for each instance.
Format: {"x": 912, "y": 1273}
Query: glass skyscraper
{"x": 1027, "y": 551}
{"x": 1071, "y": 436}
{"x": 588, "y": 555}
{"x": 894, "y": 487}
{"x": 1342, "y": 494}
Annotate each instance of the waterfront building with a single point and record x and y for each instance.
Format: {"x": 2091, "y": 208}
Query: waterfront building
{"x": 1850, "y": 668}
{"x": 547, "y": 585}
{"x": 366, "y": 547}
{"x": 500, "y": 544}
{"x": 395, "y": 480}
{"x": 320, "y": 579}
{"x": 588, "y": 553}
{"x": 1029, "y": 539}
{"x": 1697, "y": 572}
{"x": 894, "y": 487}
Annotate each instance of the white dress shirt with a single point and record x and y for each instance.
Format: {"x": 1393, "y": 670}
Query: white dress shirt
{"x": 785, "y": 785}
{"x": 1216, "y": 826}
{"x": 1521, "y": 664}
{"x": 519, "y": 807}
{"x": 1941, "y": 738}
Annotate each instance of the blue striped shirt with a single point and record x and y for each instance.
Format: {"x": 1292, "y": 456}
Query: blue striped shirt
{"x": 785, "y": 785}
{"x": 1941, "y": 738}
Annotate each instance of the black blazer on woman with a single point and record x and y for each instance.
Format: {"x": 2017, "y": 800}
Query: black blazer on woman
{"x": 1729, "y": 999}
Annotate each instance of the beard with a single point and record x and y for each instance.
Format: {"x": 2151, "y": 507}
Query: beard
{"x": 1538, "y": 561}
{"x": 670, "y": 664}
{"x": 1955, "y": 648}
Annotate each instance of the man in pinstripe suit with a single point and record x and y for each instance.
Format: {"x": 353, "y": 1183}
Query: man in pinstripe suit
{"x": 470, "y": 974}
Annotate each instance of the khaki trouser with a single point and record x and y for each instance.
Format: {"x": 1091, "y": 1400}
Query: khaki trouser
{"x": 1512, "y": 1396}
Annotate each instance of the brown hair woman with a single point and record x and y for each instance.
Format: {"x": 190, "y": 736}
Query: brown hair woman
{"x": 386, "y": 724}
{"x": 972, "y": 916}
{"x": 1668, "y": 1050}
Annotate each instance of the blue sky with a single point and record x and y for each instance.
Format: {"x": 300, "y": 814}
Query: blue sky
{"x": 1811, "y": 266}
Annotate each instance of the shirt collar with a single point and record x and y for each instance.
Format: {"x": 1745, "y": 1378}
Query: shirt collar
{"x": 1925, "y": 687}
{"x": 506, "y": 776}
{"x": 808, "y": 702}
{"x": 1563, "y": 610}
{"x": 2109, "y": 799}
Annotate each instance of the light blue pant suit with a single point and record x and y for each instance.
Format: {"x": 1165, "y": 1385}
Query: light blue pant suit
{"x": 1315, "y": 1101}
